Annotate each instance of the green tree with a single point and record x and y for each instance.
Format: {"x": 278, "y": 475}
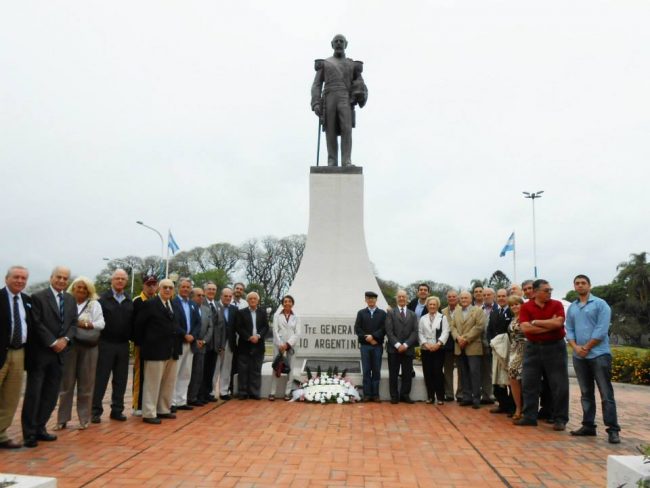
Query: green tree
{"x": 218, "y": 276}
{"x": 634, "y": 311}
{"x": 388, "y": 289}
{"x": 499, "y": 280}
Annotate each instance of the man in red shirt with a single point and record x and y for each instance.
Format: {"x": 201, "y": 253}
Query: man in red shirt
{"x": 542, "y": 320}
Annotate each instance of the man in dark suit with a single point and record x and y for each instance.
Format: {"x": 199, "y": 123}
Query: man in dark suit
{"x": 117, "y": 308}
{"x": 252, "y": 326}
{"x": 15, "y": 326}
{"x": 418, "y": 303}
{"x": 190, "y": 321}
{"x": 208, "y": 313}
{"x": 401, "y": 339}
{"x": 158, "y": 329}
{"x": 221, "y": 378}
{"x": 55, "y": 323}
{"x": 498, "y": 323}
{"x": 369, "y": 327}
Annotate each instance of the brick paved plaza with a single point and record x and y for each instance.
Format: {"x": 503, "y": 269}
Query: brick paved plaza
{"x": 259, "y": 443}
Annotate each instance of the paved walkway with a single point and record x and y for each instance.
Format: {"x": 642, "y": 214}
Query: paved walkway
{"x": 264, "y": 444}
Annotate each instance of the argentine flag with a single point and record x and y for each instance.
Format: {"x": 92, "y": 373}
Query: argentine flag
{"x": 171, "y": 243}
{"x": 510, "y": 245}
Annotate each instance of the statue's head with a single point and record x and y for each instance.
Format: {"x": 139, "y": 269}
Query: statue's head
{"x": 339, "y": 43}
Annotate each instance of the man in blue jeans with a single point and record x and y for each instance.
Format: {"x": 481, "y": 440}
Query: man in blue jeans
{"x": 587, "y": 326}
{"x": 369, "y": 327}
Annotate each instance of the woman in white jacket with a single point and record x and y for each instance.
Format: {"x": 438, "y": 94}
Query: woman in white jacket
{"x": 433, "y": 332}
{"x": 286, "y": 330}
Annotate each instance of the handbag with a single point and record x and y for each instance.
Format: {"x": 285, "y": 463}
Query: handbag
{"x": 86, "y": 337}
{"x": 279, "y": 365}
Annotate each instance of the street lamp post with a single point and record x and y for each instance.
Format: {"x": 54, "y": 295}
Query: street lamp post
{"x": 124, "y": 263}
{"x": 533, "y": 196}
{"x": 162, "y": 241}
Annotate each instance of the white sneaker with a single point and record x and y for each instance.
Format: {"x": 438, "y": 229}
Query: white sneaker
{"x": 137, "y": 413}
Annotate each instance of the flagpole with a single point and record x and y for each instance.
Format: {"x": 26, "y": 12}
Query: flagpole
{"x": 167, "y": 258}
{"x": 514, "y": 257}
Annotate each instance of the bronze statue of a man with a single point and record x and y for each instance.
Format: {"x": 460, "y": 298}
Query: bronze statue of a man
{"x": 334, "y": 104}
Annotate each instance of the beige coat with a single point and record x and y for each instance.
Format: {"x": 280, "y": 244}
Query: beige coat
{"x": 470, "y": 327}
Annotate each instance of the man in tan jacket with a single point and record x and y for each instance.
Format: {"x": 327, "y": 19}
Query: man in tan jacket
{"x": 467, "y": 329}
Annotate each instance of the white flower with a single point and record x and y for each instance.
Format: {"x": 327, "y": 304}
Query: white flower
{"x": 311, "y": 383}
{"x": 317, "y": 397}
{"x": 339, "y": 400}
{"x": 346, "y": 398}
{"x": 322, "y": 400}
{"x": 336, "y": 381}
{"x": 309, "y": 397}
{"x": 317, "y": 381}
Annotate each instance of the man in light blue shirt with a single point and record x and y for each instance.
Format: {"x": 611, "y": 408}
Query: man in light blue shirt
{"x": 587, "y": 327}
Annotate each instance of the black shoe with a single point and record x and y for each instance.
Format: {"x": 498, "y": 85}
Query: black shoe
{"x": 30, "y": 442}
{"x": 184, "y": 407}
{"x": 549, "y": 420}
{"x": 242, "y": 397}
{"x": 466, "y": 404}
{"x": 487, "y": 401}
{"x": 394, "y": 401}
{"x": 406, "y": 399}
{"x": 559, "y": 426}
{"x": 459, "y": 400}
{"x": 96, "y": 419}
{"x": 172, "y": 409}
{"x": 584, "y": 431}
{"x": 449, "y": 398}
{"x": 525, "y": 422}
{"x": 118, "y": 416}
{"x": 154, "y": 420}
{"x": 196, "y": 404}
{"x": 613, "y": 437}
{"x": 212, "y": 399}
{"x": 45, "y": 436}
{"x": 498, "y": 410}
{"x": 166, "y": 415}
{"x": 254, "y": 397}
{"x": 225, "y": 398}
{"x": 476, "y": 406}
{"x": 9, "y": 444}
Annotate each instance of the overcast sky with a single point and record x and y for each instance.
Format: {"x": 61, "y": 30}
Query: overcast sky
{"x": 195, "y": 116}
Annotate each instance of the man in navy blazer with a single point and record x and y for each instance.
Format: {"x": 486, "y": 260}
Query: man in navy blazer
{"x": 15, "y": 327}
{"x": 369, "y": 327}
{"x": 252, "y": 325}
{"x": 157, "y": 327}
{"x": 55, "y": 323}
{"x": 418, "y": 303}
{"x": 190, "y": 320}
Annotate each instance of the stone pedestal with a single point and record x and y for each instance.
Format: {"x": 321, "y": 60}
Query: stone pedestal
{"x": 335, "y": 270}
{"x": 22, "y": 481}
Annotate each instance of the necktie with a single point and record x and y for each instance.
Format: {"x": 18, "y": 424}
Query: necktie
{"x": 60, "y": 295}
{"x": 402, "y": 313}
{"x": 17, "y": 334}
{"x": 213, "y": 308}
{"x": 169, "y": 309}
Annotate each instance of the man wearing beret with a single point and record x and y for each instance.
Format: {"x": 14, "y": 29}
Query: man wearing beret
{"x": 369, "y": 327}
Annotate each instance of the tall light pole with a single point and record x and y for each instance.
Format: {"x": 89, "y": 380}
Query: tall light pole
{"x": 124, "y": 263}
{"x": 533, "y": 196}
{"x": 162, "y": 241}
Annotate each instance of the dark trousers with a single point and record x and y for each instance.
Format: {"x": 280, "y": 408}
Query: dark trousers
{"x": 596, "y": 371}
{"x": 113, "y": 358}
{"x": 451, "y": 363}
{"x": 470, "y": 377}
{"x": 249, "y": 372}
{"x": 41, "y": 394}
{"x": 196, "y": 379}
{"x": 545, "y": 400}
{"x": 371, "y": 365}
{"x": 432, "y": 363}
{"x": 395, "y": 362}
{"x": 504, "y": 398}
{"x": 209, "y": 364}
{"x": 550, "y": 359}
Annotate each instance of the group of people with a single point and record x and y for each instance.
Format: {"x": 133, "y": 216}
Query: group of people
{"x": 509, "y": 347}
{"x": 187, "y": 346}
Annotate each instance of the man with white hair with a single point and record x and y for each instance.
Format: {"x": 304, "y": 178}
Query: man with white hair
{"x": 252, "y": 326}
{"x": 55, "y": 324}
{"x": 401, "y": 337}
